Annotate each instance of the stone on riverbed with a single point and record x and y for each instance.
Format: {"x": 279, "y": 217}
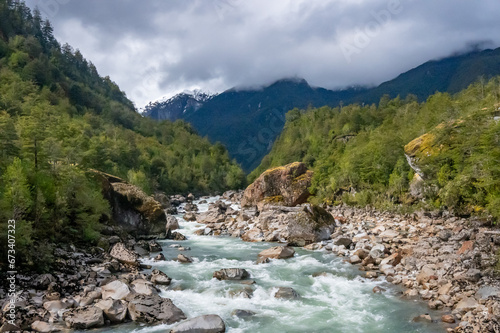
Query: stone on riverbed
{"x": 124, "y": 255}
{"x": 231, "y": 274}
{"x": 278, "y": 252}
{"x": 153, "y": 309}
{"x": 84, "y": 317}
{"x": 158, "y": 277}
{"x": 286, "y": 293}
{"x": 201, "y": 324}
{"x": 172, "y": 223}
{"x": 115, "y": 290}
{"x": 114, "y": 310}
{"x": 184, "y": 259}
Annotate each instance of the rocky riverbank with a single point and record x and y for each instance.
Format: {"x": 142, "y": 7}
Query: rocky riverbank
{"x": 446, "y": 261}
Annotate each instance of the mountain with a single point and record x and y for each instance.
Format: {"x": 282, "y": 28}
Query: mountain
{"x": 247, "y": 121}
{"x": 177, "y": 106}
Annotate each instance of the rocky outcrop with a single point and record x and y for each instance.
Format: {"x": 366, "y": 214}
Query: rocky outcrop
{"x": 201, "y": 324}
{"x": 135, "y": 211}
{"x": 153, "y": 309}
{"x": 286, "y": 185}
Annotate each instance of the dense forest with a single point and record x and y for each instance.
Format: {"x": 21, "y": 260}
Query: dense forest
{"x": 59, "y": 118}
{"x": 359, "y": 152}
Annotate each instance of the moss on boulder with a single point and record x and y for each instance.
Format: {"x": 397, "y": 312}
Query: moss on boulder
{"x": 285, "y": 185}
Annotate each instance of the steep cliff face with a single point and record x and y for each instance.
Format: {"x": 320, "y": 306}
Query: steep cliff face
{"x": 133, "y": 210}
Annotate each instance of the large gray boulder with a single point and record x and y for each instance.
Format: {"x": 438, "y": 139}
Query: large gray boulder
{"x": 114, "y": 310}
{"x": 124, "y": 255}
{"x": 231, "y": 274}
{"x": 153, "y": 309}
{"x": 201, "y": 324}
{"x": 172, "y": 223}
{"x": 299, "y": 226}
{"x": 115, "y": 290}
{"x": 84, "y": 318}
{"x": 160, "y": 278}
{"x": 141, "y": 286}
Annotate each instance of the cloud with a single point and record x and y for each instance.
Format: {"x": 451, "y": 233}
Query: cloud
{"x": 157, "y": 48}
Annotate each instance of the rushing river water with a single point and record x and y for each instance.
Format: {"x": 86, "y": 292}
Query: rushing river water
{"x": 339, "y": 301}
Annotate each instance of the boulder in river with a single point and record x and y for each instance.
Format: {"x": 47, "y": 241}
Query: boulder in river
{"x": 172, "y": 223}
{"x": 231, "y": 274}
{"x": 153, "y": 309}
{"x": 286, "y": 185}
{"x": 286, "y": 293}
{"x": 277, "y": 252}
{"x": 201, "y": 324}
{"x": 160, "y": 278}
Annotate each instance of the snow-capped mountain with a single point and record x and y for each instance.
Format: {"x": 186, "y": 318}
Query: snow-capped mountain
{"x": 177, "y": 106}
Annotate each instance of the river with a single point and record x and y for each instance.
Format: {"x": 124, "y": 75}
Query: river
{"x": 340, "y": 300}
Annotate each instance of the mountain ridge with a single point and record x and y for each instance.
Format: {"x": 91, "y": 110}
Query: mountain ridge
{"x": 247, "y": 121}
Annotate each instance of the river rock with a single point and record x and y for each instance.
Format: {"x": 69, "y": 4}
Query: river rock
{"x": 449, "y": 319}
{"x": 201, "y": 324}
{"x": 160, "y": 278}
{"x": 56, "y": 306}
{"x": 287, "y": 185}
{"x": 153, "y": 309}
{"x": 172, "y": 223}
{"x": 425, "y": 274}
{"x": 143, "y": 287}
{"x": 286, "y": 293}
{"x": 243, "y": 313}
{"x": 277, "y": 252}
{"x": 184, "y": 259}
{"x": 177, "y": 236}
{"x": 114, "y": 310}
{"x": 345, "y": 241}
{"x": 189, "y": 216}
{"x": 84, "y": 317}
{"x": 43, "y": 327}
{"x": 115, "y": 290}
{"x": 466, "y": 304}
{"x": 124, "y": 255}
{"x": 354, "y": 259}
{"x": 154, "y": 246}
{"x": 486, "y": 291}
{"x": 231, "y": 274}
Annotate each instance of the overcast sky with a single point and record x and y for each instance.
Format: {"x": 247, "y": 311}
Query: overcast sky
{"x": 156, "y": 48}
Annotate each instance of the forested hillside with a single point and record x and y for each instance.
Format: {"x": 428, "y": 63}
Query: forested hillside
{"x": 359, "y": 153}
{"x": 58, "y": 118}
